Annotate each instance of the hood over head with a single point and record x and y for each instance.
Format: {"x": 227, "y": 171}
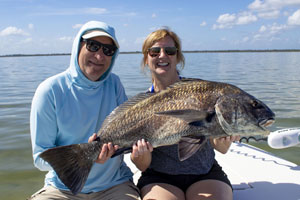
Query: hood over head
{"x": 88, "y": 29}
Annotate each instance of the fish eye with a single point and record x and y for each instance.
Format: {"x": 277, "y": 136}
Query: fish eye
{"x": 256, "y": 104}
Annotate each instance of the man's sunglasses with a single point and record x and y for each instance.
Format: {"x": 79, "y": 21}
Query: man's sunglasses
{"x": 94, "y": 46}
{"x": 155, "y": 51}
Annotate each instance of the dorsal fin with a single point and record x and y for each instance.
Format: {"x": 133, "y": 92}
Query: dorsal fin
{"x": 183, "y": 81}
{"x": 126, "y": 105}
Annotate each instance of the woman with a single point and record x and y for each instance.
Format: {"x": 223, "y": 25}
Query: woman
{"x": 163, "y": 175}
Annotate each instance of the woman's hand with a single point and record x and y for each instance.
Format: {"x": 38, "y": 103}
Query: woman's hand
{"x": 222, "y": 144}
{"x": 106, "y": 152}
{"x": 140, "y": 148}
{"x": 141, "y": 154}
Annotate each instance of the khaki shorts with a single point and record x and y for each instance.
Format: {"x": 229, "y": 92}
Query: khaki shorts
{"x": 124, "y": 191}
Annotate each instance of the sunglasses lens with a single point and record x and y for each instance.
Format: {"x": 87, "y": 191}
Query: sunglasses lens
{"x": 94, "y": 46}
{"x": 155, "y": 51}
{"x": 171, "y": 50}
{"x": 108, "y": 50}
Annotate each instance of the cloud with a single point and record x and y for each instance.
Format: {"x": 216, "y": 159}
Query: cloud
{"x": 270, "y": 32}
{"x": 258, "y": 5}
{"x": 30, "y": 26}
{"x": 270, "y": 9}
{"x": 153, "y": 15}
{"x": 262, "y": 28}
{"x": 123, "y": 41}
{"x": 11, "y": 30}
{"x": 230, "y": 20}
{"x": 66, "y": 38}
{"x": 203, "y": 23}
{"x": 267, "y": 5}
{"x": 153, "y": 28}
{"x": 72, "y": 11}
{"x": 95, "y": 11}
{"x": 246, "y": 18}
{"x": 225, "y": 21}
{"x": 294, "y": 19}
{"x": 77, "y": 26}
{"x": 27, "y": 40}
{"x": 245, "y": 39}
{"x": 130, "y": 14}
{"x": 275, "y": 28}
{"x": 269, "y": 14}
{"x": 226, "y": 18}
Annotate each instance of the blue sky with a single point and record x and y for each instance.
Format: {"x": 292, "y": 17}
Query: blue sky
{"x": 49, "y": 26}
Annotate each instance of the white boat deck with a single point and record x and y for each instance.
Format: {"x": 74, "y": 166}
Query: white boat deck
{"x": 254, "y": 174}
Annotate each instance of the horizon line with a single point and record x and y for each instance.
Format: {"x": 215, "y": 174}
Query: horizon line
{"x": 184, "y": 51}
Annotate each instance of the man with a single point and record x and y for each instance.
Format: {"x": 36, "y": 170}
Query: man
{"x": 68, "y": 107}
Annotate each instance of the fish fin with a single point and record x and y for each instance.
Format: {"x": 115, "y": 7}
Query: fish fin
{"x": 188, "y": 146}
{"x": 197, "y": 123}
{"x": 125, "y": 106}
{"x": 184, "y": 81}
{"x": 72, "y": 163}
{"x": 209, "y": 118}
{"x": 122, "y": 151}
{"x": 188, "y": 115}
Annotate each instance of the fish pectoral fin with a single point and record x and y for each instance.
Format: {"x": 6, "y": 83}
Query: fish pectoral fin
{"x": 122, "y": 151}
{"x": 188, "y": 115}
{"x": 188, "y": 146}
{"x": 208, "y": 119}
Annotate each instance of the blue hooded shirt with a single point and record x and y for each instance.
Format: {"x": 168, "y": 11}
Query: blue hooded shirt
{"x": 68, "y": 108}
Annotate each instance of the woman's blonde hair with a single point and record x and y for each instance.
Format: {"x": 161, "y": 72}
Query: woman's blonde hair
{"x": 158, "y": 35}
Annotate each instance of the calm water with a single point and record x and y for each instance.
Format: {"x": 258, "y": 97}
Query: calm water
{"x": 272, "y": 77}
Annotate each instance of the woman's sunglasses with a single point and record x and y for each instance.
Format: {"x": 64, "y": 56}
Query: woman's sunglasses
{"x": 155, "y": 51}
{"x": 94, "y": 46}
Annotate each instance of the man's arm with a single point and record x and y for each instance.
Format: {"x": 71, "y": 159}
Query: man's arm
{"x": 43, "y": 126}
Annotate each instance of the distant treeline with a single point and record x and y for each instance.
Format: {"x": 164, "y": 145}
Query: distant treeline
{"x": 136, "y": 52}
{"x": 42, "y": 54}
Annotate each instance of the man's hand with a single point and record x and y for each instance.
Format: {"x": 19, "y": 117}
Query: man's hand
{"x": 106, "y": 152}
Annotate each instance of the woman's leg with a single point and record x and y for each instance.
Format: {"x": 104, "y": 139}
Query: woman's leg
{"x": 162, "y": 191}
{"x": 209, "y": 189}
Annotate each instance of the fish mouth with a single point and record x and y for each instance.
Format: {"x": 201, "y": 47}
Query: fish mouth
{"x": 266, "y": 122}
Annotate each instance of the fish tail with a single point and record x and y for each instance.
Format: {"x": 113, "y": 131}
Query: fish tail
{"x": 73, "y": 163}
